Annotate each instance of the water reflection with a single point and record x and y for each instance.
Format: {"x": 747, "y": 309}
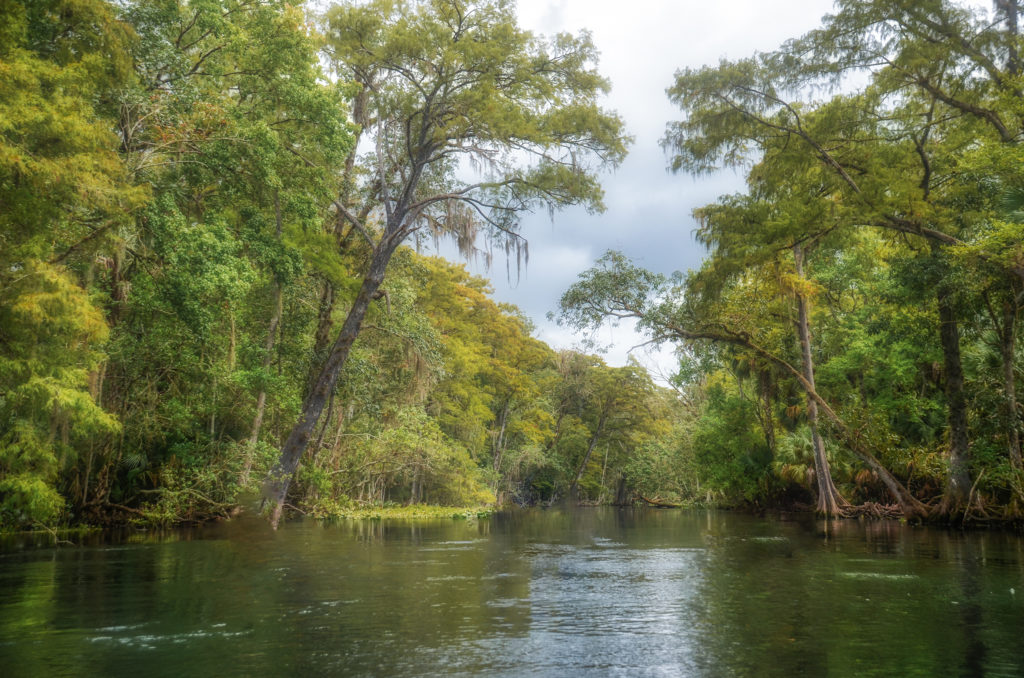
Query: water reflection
{"x": 557, "y": 592}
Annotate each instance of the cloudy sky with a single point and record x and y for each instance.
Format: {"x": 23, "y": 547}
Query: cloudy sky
{"x": 648, "y": 210}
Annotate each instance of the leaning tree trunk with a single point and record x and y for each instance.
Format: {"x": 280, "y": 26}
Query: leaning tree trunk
{"x": 958, "y": 485}
{"x": 325, "y": 318}
{"x": 909, "y": 504}
{"x": 279, "y": 479}
{"x": 830, "y": 501}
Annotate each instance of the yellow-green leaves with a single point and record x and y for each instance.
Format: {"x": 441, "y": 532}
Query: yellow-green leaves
{"x": 444, "y": 80}
{"x": 63, "y": 189}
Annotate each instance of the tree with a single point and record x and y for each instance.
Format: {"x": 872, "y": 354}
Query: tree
{"x": 61, "y": 183}
{"x": 942, "y": 80}
{"x": 489, "y": 397}
{"x": 447, "y": 81}
{"x": 756, "y": 236}
{"x": 617, "y": 400}
{"x": 615, "y": 289}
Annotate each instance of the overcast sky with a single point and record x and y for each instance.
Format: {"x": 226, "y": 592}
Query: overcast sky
{"x": 648, "y": 213}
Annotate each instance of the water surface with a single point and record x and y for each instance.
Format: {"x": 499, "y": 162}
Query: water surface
{"x": 558, "y": 592}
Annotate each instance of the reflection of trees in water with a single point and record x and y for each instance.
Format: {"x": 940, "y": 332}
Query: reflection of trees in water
{"x": 968, "y": 558}
{"x": 860, "y": 598}
{"x": 748, "y": 596}
{"x": 759, "y": 618}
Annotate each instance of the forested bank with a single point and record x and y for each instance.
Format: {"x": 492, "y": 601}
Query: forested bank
{"x": 211, "y": 291}
{"x": 188, "y": 230}
{"x": 854, "y": 329}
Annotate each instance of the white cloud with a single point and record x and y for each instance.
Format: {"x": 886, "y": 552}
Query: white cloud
{"x": 642, "y": 44}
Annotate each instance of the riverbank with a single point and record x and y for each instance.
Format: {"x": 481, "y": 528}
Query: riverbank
{"x": 414, "y": 512}
{"x": 142, "y": 520}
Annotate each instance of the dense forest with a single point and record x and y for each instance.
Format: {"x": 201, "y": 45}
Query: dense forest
{"x": 211, "y": 289}
{"x": 853, "y": 330}
{"x": 200, "y": 202}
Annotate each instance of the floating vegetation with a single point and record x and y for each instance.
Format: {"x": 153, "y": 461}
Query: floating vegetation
{"x": 415, "y": 512}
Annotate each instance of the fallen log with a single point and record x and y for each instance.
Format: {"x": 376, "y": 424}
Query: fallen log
{"x": 659, "y": 503}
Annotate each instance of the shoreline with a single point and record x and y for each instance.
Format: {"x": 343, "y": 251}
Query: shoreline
{"x": 427, "y": 512}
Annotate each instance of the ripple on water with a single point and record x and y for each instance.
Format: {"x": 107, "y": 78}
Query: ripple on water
{"x": 885, "y": 576}
{"x": 117, "y": 629}
{"x": 506, "y": 602}
{"x": 676, "y": 596}
{"x": 150, "y": 641}
{"x": 621, "y": 594}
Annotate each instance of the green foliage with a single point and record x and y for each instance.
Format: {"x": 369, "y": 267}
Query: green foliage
{"x": 61, "y": 184}
{"x": 899, "y": 203}
{"x": 444, "y": 80}
{"x": 51, "y": 333}
{"x": 185, "y": 224}
{"x": 448, "y": 400}
{"x": 727, "y": 447}
{"x": 195, "y": 486}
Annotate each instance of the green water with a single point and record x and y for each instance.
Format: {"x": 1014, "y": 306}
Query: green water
{"x": 535, "y": 593}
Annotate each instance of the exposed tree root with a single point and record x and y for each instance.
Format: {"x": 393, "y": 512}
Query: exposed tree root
{"x": 874, "y": 510}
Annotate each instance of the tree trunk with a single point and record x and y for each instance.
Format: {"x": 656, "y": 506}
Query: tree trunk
{"x": 325, "y": 319}
{"x": 912, "y": 508}
{"x": 767, "y": 415}
{"x": 261, "y": 397}
{"x": 499, "y": 442}
{"x": 276, "y": 485}
{"x": 268, "y": 358}
{"x": 232, "y": 339}
{"x": 830, "y": 502}
{"x": 622, "y": 494}
{"x": 574, "y": 488}
{"x": 322, "y": 338}
{"x": 413, "y": 491}
{"x": 958, "y": 484}
{"x": 1008, "y": 347}
{"x": 604, "y": 473}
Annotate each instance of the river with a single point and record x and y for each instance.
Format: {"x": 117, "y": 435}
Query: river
{"x": 599, "y": 592}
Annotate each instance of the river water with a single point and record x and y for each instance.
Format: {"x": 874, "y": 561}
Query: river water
{"x": 533, "y": 593}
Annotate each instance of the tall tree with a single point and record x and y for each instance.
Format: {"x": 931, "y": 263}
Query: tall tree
{"x": 447, "y": 81}
{"x": 617, "y": 289}
{"x": 62, "y": 187}
{"x": 766, "y": 236}
{"x": 618, "y": 398}
{"x": 941, "y": 81}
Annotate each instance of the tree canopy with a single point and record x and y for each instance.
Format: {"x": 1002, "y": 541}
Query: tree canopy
{"x": 874, "y": 152}
{"x": 194, "y": 208}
